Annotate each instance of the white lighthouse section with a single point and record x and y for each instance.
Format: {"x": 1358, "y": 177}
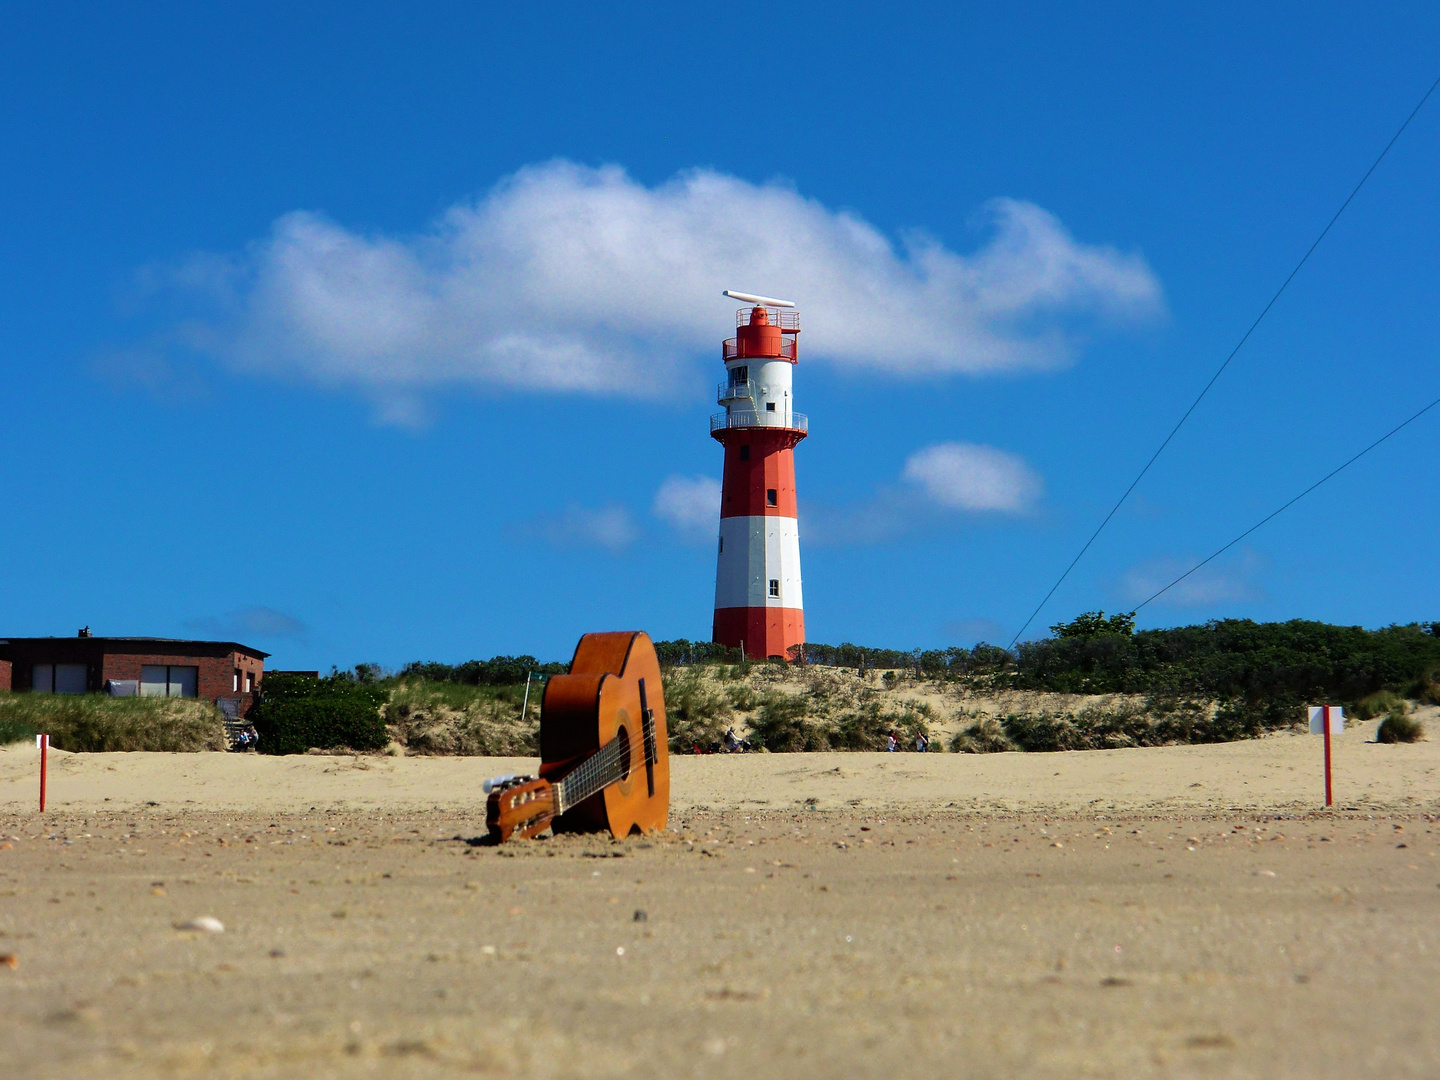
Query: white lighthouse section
{"x": 758, "y": 393}
{"x": 759, "y": 563}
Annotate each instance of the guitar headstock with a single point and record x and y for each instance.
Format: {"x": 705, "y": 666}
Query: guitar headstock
{"x": 519, "y": 806}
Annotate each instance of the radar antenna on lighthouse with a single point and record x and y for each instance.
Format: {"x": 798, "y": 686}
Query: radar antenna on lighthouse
{"x": 763, "y": 301}
{"x": 758, "y": 604}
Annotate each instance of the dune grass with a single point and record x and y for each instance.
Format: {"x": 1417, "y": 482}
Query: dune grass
{"x": 427, "y": 717}
{"x": 13, "y": 730}
{"x": 697, "y": 710}
{"x": 1378, "y": 704}
{"x": 92, "y": 723}
{"x": 1400, "y": 727}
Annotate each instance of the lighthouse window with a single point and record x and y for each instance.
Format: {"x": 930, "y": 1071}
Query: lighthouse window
{"x": 769, "y": 406}
{"x": 722, "y": 545}
{"x": 740, "y": 375}
{"x": 745, "y": 452}
{"x": 774, "y": 586}
{"x": 772, "y": 497}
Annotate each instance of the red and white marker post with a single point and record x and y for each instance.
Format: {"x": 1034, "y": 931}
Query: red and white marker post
{"x": 1327, "y": 720}
{"x": 43, "y": 742}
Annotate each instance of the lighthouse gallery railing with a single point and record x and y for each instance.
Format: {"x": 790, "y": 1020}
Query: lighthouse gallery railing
{"x": 745, "y": 418}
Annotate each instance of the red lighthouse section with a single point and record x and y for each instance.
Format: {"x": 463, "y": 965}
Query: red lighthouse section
{"x": 759, "y": 473}
{"x": 758, "y": 600}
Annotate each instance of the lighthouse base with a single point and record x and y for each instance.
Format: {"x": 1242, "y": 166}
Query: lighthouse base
{"x": 763, "y": 632}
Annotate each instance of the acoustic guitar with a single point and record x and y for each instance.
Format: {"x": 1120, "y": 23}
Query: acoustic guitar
{"x": 604, "y": 753}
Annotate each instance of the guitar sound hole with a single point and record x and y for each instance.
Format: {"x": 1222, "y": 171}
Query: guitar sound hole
{"x": 623, "y": 738}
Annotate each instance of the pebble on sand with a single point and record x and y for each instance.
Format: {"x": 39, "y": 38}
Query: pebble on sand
{"x": 205, "y": 924}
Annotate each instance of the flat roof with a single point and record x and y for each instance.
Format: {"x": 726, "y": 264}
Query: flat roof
{"x": 176, "y": 644}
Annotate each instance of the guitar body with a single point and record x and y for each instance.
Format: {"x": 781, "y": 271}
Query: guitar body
{"x": 598, "y": 702}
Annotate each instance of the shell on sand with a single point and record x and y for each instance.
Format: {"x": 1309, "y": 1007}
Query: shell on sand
{"x": 205, "y": 924}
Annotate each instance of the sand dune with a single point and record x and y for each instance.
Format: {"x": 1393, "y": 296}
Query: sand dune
{"x": 1278, "y": 773}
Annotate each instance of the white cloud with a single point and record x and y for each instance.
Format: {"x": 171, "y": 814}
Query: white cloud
{"x": 568, "y": 278}
{"x": 260, "y": 622}
{"x": 1206, "y": 587}
{"x": 963, "y": 476}
{"x": 610, "y": 527}
{"x": 938, "y": 484}
{"x": 690, "y": 504}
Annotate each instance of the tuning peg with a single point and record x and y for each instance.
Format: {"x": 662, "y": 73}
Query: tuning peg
{"x": 500, "y": 783}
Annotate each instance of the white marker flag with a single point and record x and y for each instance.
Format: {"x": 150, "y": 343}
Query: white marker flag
{"x": 1317, "y": 719}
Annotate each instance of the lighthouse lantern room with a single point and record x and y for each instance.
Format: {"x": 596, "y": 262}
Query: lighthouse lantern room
{"x": 757, "y": 580}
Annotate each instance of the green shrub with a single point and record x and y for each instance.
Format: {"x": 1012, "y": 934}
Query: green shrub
{"x": 783, "y": 725}
{"x": 1398, "y": 728}
{"x": 1426, "y": 687}
{"x": 1232, "y": 659}
{"x": 696, "y": 710}
{"x": 497, "y": 671}
{"x": 92, "y": 723}
{"x": 743, "y": 697}
{"x": 867, "y": 727}
{"x": 1094, "y": 624}
{"x": 682, "y": 652}
{"x": 786, "y": 724}
{"x": 298, "y": 712}
{"x": 1376, "y": 704}
{"x": 1157, "y": 722}
{"x": 13, "y": 729}
{"x": 985, "y": 736}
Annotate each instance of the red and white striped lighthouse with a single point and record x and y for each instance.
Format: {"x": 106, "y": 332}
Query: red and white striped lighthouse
{"x": 757, "y": 578}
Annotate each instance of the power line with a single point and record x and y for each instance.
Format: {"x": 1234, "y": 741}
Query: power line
{"x": 1333, "y": 472}
{"x": 1233, "y": 352}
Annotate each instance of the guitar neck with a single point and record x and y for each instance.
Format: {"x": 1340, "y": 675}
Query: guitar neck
{"x": 601, "y": 769}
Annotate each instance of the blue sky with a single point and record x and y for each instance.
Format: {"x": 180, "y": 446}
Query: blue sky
{"x": 366, "y": 335}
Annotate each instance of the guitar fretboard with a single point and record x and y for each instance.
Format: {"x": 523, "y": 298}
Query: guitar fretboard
{"x": 601, "y": 769}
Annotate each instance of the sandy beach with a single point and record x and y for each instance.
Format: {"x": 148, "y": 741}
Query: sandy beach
{"x": 1281, "y": 773}
{"x": 1184, "y": 911}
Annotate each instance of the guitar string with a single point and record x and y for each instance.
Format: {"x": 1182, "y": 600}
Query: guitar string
{"x": 588, "y": 771}
{"x": 601, "y": 769}
{"x": 606, "y": 765}
{"x": 586, "y": 780}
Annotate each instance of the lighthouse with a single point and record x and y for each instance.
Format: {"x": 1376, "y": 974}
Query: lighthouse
{"x": 757, "y": 577}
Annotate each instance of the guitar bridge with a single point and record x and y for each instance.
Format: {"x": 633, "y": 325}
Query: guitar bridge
{"x": 647, "y": 733}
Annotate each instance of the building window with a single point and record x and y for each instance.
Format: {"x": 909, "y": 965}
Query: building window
{"x": 249, "y": 682}
{"x": 745, "y": 452}
{"x": 739, "y": 375}
{"x": 58, "y": 678}
{"x": 235, "y": 685}
{"x": 769, "y": 406}
{"x": 772, "y": 497}
{"x": 160, "y": 680}
{"x": 722, "y": 545}
{"x": 775, "y": 587}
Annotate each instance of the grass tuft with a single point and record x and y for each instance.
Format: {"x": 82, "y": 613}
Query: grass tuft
{"x": 92, "y": 723}
{"x": 1399, "y": 727}
{"x": 1378, "y": 704}
{"x": 457, "y": 718}
{"x": 13, "y": 730}
{"x": 697, "y": 709}
{"x": 985, "y": 736}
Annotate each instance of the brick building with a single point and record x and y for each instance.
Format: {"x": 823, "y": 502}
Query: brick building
{"x": 219, "y": 671}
